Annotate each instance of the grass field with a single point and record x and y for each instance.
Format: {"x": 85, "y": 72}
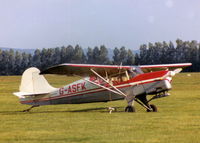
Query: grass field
{"x": 177, "y": 121}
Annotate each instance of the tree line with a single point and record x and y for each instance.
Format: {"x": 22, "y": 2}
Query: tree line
{"x": 15, "y": 62}
{"x": 167, "y": 53}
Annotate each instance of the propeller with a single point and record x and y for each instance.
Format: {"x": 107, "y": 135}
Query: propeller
{"x": 178, "y": 70}
{"x": 174, "y": 72}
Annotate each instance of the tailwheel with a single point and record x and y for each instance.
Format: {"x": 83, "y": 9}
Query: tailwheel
{"x": 153, "y": 107}
{"x": 130, "y": 109}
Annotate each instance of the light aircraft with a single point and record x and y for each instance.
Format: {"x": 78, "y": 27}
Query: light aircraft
{"x": 99, "y": 83}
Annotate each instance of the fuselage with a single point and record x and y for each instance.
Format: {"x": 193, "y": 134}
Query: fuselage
{"x": 83, "y": 91}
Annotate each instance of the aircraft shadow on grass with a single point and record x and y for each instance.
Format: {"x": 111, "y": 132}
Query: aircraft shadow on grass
{"x": 100, "y": 110}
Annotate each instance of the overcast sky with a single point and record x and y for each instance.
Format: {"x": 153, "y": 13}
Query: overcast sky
{"x": 114, "y": 23}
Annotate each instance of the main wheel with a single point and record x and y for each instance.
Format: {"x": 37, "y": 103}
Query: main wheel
{"x": 130, "y": 109}
{"x": 153, "y": 107}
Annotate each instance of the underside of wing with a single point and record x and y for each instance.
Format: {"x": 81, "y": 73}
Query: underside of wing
{"x": 85, "y": 69}
{"x": 151, "y": 68}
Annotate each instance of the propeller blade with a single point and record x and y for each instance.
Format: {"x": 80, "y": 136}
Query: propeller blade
{"x": 178, "y": 70}
{"x": 174, "y": 72}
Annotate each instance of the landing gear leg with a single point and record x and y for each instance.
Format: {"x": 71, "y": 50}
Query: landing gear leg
{"x": 27, "y": 110}
{"x": 130, "y": 107}
{"x": 142, "y": 100}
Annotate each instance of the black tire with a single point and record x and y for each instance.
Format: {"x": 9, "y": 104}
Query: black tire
{"x": 130, "y": 109}
{"x": 153, "y": 107}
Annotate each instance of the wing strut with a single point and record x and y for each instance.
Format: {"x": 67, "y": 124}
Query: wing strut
{"x": 103, "y": 86}
{"x": 116, "y": 89}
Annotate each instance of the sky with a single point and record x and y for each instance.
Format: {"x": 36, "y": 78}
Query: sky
{"x": 31, "y": 24}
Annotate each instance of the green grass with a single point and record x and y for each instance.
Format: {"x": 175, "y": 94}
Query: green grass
{"x": 178, "y": 119}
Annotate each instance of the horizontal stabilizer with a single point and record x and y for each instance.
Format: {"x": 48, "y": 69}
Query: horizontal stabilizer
{"x": 27, "y": 94}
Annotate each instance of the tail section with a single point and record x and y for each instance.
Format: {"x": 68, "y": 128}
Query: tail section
{"x": 32, "y": 83}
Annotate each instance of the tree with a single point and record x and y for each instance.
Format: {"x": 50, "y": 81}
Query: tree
{"x": 25, "y": 62}
{"x": 36, "y": 60}
{"x": 137, "y": 59}
{"x": 96, "y": 53}
{"x": 4, "y": 63}
{"x": 170, "y": 53}
{"x": 43, "y": 59}
{"x": 50, "y": 59}
{"x": 123, "y": 55}
{"x": 150, "y": 56}
{"x": 78, "y": 56}
{"x": 90, "y": 59}
{"x": 158, "y": 52}
{"x": 69, "y": 53}
{"x": 63, "y": 54}
{"x": 194, "y": 56}
{"x": 103, "y": 55}
{"x": 18, "y": 63}
{"x": 11, "y": 62}
{"x": 130, "y": 58}
{"x": 57, "y": 56}
{"x": 179, "y": 51}
{"x": 1, "y": 62}
{"x": 116, "y": 56}
{"x": 143, "y": 54}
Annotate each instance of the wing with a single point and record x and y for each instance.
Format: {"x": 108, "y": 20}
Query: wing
{"x": 85, "y": 69}
{"x": 150, "y": 68}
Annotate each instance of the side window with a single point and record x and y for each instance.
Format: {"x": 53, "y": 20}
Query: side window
{"x": 132, "y": 73}
{"x": 138, "y": 70}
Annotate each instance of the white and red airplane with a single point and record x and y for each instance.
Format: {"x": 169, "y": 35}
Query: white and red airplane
{"x": 100, "y": 83}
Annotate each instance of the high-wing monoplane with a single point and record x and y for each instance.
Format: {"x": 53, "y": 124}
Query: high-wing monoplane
{"x": 99, "y": 83}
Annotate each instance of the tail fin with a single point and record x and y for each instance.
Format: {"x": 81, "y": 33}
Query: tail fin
{"x": 32, "y": 83}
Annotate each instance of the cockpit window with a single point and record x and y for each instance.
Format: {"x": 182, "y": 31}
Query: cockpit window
{"x": 132, "y": 73}
{"x": 125, "y": 75}
{"x": 138, "y": 70}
